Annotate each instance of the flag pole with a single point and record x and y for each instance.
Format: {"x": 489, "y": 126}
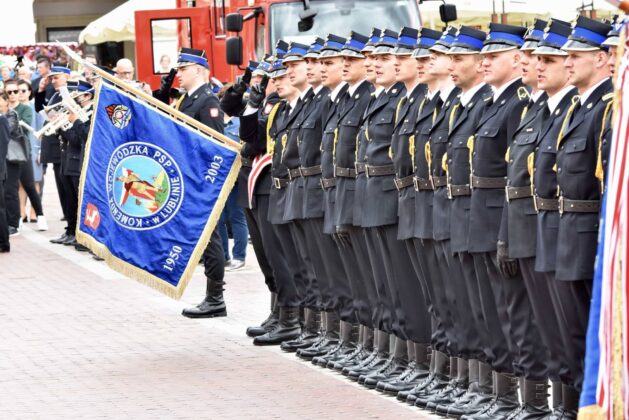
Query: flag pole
{"x": 226, "y": 141}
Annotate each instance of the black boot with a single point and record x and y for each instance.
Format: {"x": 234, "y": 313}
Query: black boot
{"x": 505, "y": 399}
{"x": 393, "y": 367}
{"x": 346, "y": 347}
{"x": 287, "y": 328}
{"x": 212, "y": 306}
{"x": 269, "y": 323}
{"x": 327, "y": 342}
{"x": 478, "y": 395}
{"x": 416, "y": 371}
{"x": 309, "y": 333}
{"x": 570, "y": 397}
{"x": 441, "y": 383}
{"x": 411, "y": 395}
{"x": 61, "y": 239}
{"x": 366, "y": 350}
{"x": 557, "y": 413}
{"x": 534, "y": 401}
{"x": 456, "y": 388}
{"x": 379, "y": 357}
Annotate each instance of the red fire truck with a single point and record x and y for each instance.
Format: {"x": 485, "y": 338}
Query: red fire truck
{"x": 234, "y": 31}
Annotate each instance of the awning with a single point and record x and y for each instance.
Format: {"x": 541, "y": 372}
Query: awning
{"x": 119, "y": 24}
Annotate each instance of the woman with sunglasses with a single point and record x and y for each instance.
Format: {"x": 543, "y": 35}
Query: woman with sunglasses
{"x": 25, "y": 96}
{"x": 24, "y": 169}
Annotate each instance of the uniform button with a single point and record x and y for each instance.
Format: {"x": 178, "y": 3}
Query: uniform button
{"x": 558, "y": 170}
{"x": 511, "y": 161}
{"x": 449, "y": 160}
{"x": 486, "y": 132}
{"x": 473, "y": 153}
{"x": 536, "y": 149}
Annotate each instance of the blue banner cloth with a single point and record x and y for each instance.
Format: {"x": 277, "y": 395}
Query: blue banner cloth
{"x": 152, "y": 189}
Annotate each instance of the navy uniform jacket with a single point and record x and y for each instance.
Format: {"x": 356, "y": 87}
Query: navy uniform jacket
{"x": 203, "y": 105}
{"x": 361, "y": 152}
{"x": 495, "y": 129}
{"x": 402, "y": 143}
{"x": 278, "y": 133}
{"x": 50, "y": 145}
{"x": 73, "y": 147}
{"x": 379, "y": 206}
{"x": 329, "y": 120}
{"x": 520, "y": 218}
{"x": 349, "y": 122}
{"x": 545, "y": 185}
{"x": 290, "y": 158}
{"x": 434, "y": 131}
{"x": 250, "y": 150}
{"x": 462, "y": 123}
{"x": 577, "y": 158}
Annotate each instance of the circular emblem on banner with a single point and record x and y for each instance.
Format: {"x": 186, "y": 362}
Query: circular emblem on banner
{"x": 144, "y": 186}
{"x": 119, "y": 115}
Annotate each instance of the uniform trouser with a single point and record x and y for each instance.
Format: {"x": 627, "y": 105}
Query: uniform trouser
{"x": 309, "y": 287}
{"x": 365, "y": 294}
{"x": 424, "y": 260}
{"x": 479, "y": 337}
{"x": 338, "y": 281}
{"x": 515, "y": 317}
{"x": 571, "y": 300}
{"x": 4, "y": 227}
{"x": 464, "y": 341}
{"x": 258, "y": 249}
{"x": 410, "y": 304}
{"x": 56, "y": 167}
{"x": 286, "y": 266}
{"x": 539, "y": 291}
{"x": 71, "y": 188}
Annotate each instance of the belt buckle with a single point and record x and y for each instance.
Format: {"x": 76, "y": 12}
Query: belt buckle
{"x": 449, "y": 188}
{"x": 334, "y": 170}
{"x": 322, "y": 183}
{"x": 301, "y": 172}
{"x": 471, "y": 182}
{"x": 507, "y": 192}
{"x": 397, "y": 185}
{"x": 560, "y": 205}
{"x": 416, "y": 183}
{"x": 276, "y": 183}
{"x": 356, "y": 167}
{"x": 366, "y": 170}
{"x": 431, "y": 183}
{"x": 535, "y": 206}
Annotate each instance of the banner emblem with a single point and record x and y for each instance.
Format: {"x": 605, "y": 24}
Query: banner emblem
{"x": 144, "y": 186}
{"x": 119, "y": 115}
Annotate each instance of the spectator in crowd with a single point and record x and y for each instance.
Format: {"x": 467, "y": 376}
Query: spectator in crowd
{"x": 124, "y": 71}
{"x": 4, "y": 144}
{"x": 25, "y": 73}
{"x": 233, "y": 214}
{"x": 43, "y": 68}
{"x": 25, "y": 96}
{"x": 5, "y": 71}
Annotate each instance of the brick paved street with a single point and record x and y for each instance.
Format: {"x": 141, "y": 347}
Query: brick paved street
{"x": 78, "y": 340}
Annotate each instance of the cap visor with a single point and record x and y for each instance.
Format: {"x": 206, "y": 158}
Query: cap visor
{"x": 368, "y": 48}
{"x": 312, "y": 55}
{"x": 421, "y": 53}
{"x": 458, "y": 50}
{"x": 329, "y": 53}
{"x": 548, "y": 50}
{"x": 494, "y": 48}
{"x": 292, "y": 58}
{"x": 440, "y": 48}
{"x": 402, "y": 51}
{"x": 573, "y": 45}
{"x": 350, "y": 53}
{"x": 257, "y": 72}
{"x": 382, "y": 50}
{"x": 612, "y": 41}
{"x": 278, "y": 73}
{"x": 529, "y": 45}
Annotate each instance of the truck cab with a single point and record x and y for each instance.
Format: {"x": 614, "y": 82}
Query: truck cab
{"x": 204, "y": 24}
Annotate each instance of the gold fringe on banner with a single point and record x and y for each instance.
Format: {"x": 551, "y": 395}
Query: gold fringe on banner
{"x": 130, "y": 270}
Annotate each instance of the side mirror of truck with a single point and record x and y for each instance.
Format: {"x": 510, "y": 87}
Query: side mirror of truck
{"x": 233, "y": 22}
{"x": 447, "y": 12}
{"x": 233, "y": 50}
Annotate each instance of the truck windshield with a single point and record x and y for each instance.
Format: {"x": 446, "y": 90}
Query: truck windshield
{"x": 341, "y": 16}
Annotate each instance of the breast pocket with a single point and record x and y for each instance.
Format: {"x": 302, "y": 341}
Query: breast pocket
{"x": 575, "y": 157}
{"x": 526, "y": 138}
{"x": 382, "y": 127}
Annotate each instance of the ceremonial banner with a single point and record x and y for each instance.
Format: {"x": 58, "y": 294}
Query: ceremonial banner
{"x": 605, "y": 393}
{"x": 152, "y": 189}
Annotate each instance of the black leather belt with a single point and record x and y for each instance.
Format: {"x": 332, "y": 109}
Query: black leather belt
{"x": 548, "y": 204}
{"x": 515, "y": 193}
{"x": 246, "y": 162}
{"x": 458, "y": 190}
{"x": 294, "y": 173}
{"x": 422, "y": 184}
{"x": 483, "y": 182}
{"x": 280, "y": 183}
{"x": 439, "y": 181}
{"x": 345, "y": 172}
{"x": 360, "y": 167}
{"x": 379, "y": 170}
{"x": 328, "y": 182}
{"x": 401, "y": 183}
{"x": 304, "y": 172}
{"x": 578, "y": 206}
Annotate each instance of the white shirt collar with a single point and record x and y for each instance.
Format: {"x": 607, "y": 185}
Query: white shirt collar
{"x": 588, "y": 92}
{"x": 536, "y": 95}
{"x": 335, "y": 92}
{"x": 293, "y": 104}
{"x": 378, "y": 91}
{"x": 197, "y": 87}
{"x": 303, "y": 94}
{"x": 467, "y": 96}
{"x": 554, "y": 100}
{"x": 409, "y": 92}
{"x": 352, "y": 89}
{"x": 499, "y": 91}
{"x": 445, "y": 91}
{"x": 317, "y": 89}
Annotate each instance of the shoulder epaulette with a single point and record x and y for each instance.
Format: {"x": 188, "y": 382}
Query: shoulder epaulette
{"x": 608, "y": 96}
